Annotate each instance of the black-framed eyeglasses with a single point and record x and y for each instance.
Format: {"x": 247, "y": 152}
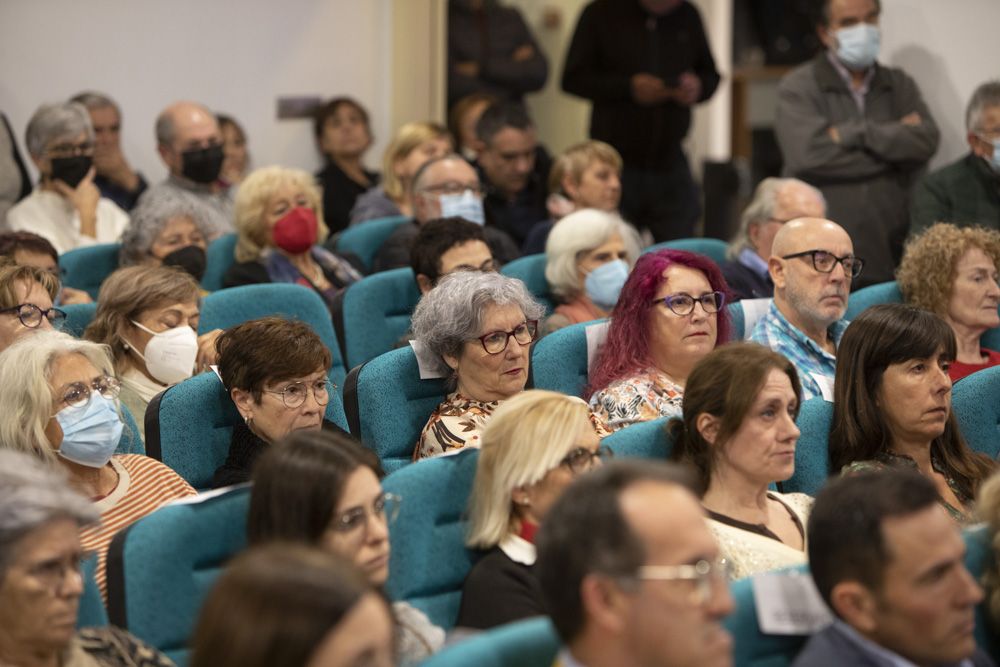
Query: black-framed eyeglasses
{"x": 71, "y": 149}
{"x": 705, "y": 574}
{"x": 385, "y": 507}
{"x": 824, "y": 262}
{"x": 77, "y": 394}
{"x": 582, "y": 459}
{"x": 31, "y": 315}
{"x": 294, "y": 395}
{"x": 682, "y": 303}
{"x": 496, "y": 342}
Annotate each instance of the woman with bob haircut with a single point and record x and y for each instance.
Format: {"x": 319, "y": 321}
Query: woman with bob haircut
{"x": 670, "y": 314}
{"x": 892, "y": 404}
{"x": 535, "y": 445}
{"x": 952, "y": 272}
{"x": 738, "y": 432}
{"x": 284, "y": 604}
{"x": 26, "y": 297}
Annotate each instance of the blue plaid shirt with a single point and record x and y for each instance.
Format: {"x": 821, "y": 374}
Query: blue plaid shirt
{"x": 813, "y": 363}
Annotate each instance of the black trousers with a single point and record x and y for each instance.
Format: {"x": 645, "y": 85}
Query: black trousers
{"x": 665, "y": 200}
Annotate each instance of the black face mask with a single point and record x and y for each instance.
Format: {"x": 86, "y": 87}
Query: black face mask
{"x": 71, "y": 170}
{"x": 191, "y": 258}
{"x": 202, "y": 165}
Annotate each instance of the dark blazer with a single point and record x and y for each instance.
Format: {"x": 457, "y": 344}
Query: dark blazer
{"x": 834, "y": 648}
{"x": 745, "y": 283}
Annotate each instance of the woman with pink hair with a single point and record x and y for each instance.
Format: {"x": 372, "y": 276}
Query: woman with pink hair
{"x": 670, "y": 314}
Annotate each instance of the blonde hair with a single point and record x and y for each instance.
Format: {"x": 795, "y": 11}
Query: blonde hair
{"x": 407, "y": 140}
{"x": 575, "y": 160}
{"x": 529, "y": 435}
{"x": 988, "y": 511}
{"x": 13, "y": 274}
{"x": 250, "y": 207}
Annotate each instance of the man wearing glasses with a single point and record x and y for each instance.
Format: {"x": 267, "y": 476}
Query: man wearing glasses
{"x": 812, "y": 266}
{"x": 626, "y": 583}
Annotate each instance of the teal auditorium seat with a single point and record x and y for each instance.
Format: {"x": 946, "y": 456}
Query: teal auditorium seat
{"x": 161, "y": 567}
{"x": 189, "y": 426}
{"x": 559, "y": 360}
{"x": 976, "y": 402}
{"x": 429, "y": 559}
{"x": 131, "y": 441}
{"x": 86, "y": 268}
{"x": 531, "y": 271}
{"x": 364, "y": 240}
{"x": 78, "y": 317}
{"x": 375, "y": 314}
{"x": 235, "y": 305}
{"x": 646, "y": 440}
{"x": 530, "y": 643}
{"x": 387, "y": 405}
{"x": 91, "y": 610}
{"x": 714, "y": 249}
{"x": 737, "y": 320}
{"x": 219, "y": 256}
{"x": 872, "y": 295}
{"x": 812, "y": 453}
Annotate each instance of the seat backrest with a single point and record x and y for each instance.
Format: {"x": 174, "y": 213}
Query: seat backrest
{"x": 714, "y": 249}
{"x": 387, "y": 405}
{"x": 235, "y": 305}
{"x": 737, "y": 321}
{"x": 751, "y": 647}
{"x": 376, "y": 313}
{"x": 78, "y": 317}
{"x": 429, "y": 559}
{"x": 130, "y": 441}
{"x": 872, "y": 295}
{"x": 219, "y": 256}
{"x": 644, "y": 440}
{"x": 86, "y": 268}
{"x": 161, "y": 567}
{"x": 812, "y": 453}
{"x": 364, "y": 240}
{"x": 531, "y": 271}
{"x": 976, "y": 401}
{"x": 190, "y": 425}
{"x": 530, "y": 643}
{"x": 91, "y": 612}
{"x": 560, "y": 361}
{"x": 991, "y": 339}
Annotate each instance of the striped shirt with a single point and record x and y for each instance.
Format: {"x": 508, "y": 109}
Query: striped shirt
{"x": 144, "y": 484}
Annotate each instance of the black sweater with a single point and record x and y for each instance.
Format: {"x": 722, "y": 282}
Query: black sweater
{"x": 497, "y": 591}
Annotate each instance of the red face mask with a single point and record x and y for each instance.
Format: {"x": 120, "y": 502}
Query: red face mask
{"x": 296, "y": 231}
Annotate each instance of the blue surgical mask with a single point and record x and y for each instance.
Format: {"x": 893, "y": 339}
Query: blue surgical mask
{"x": 604, "y": 284}
{"x": 466, "y": 205}
{"x": 993, "y": 161}
{"x": 857, "y": 46}
{"x": 90, "y": 432}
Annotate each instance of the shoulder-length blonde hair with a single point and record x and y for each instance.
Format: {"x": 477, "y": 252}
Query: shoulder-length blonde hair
{"x": 529, "y": 435}
{"x": 407, "y": 140}
{"x": 250, "y": 207}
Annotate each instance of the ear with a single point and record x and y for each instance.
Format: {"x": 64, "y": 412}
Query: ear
{"x": 604, "y": 603}
{"x": 244, "y": 402}
{"x": 826, "y": 37}
{"x": 569, "y": 187}
{"x": 521, "y": 496}
{"x": 753, "y": 233}
{"x": 708, "y": 427}
{"x": 856, "y": 605}
{"x": 976, "y": 145}
{"x": 452, "y": 361}
{"x": 41, "y": 163}
{"x": 424, "y": 283}
{"x": 776, "y": 267}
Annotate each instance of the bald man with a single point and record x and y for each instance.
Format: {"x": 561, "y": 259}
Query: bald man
{"x": 190, "y": 144}
{"x": 812, "y": 265}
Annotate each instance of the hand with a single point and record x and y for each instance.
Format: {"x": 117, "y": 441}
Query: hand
{"x": 688, "y": 89}
{"x": 834, "y": 134}
{"x": 469, "y": 69}
{"x": 648, "y": 90}
{"x": 911, "y": 119}
{"x": 523, "y": 53}
{"x": 70, "y": 296}
{"x": 83, "y": 198}
{"x": 111, "y": 164}
{"x": 207, "y": 354}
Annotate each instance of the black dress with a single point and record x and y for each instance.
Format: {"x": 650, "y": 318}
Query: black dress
{"x": 339, "y": 194}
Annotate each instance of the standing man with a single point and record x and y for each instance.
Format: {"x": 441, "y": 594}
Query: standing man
{"x": 858, "y": 131}
{"x": 644, "y": 64}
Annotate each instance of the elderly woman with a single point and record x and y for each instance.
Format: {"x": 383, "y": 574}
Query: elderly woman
{"x": 669, "y": 316}
{"x": 279, "y": 226}
{"x": 323, "y": 489}
{"x": 343, "y": 134}
{"x": 481, "y": 325}
{"x": 414, "y": 144}
{"x": 66, "y": 207}
{"x": 60, "y": 398}
{"x": 588, "y": 257}
{"x": 26, "y": 296}
{"x": 290, "y": 605}
{"x": 30, "y": 249}
{"x": 952, "y": 272}
{"x": 166, "y": 230}
{"x": 533, "y": 448}
{"x": 738, "y": 432}
{"x": 40, "y": 582}
{"x": 892, "y": 404}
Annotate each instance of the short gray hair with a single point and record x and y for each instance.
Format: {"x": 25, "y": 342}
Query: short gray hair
{"x": 579, "y": 232}
{"x": 760, "y": 209}
{"x": 94, "y": 100}
{"x": 155, "y": 209}
{"x": 986, "y": 95}
{"x": 33, "y": 493}
{"x": 453, "y": 312}
{"x": 56, "y": 121}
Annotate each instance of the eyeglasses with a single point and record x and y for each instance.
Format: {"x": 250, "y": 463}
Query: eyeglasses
{"x": 294, "y": 395}
{"x": 385, "y": 507}
{"x": 824, "y": 262}
{"x": 496, "y": 342}
{"x": 704, "y": 574}
{"x": 581, "y": 459}
{"x": 71, "y": 149}
{"x": 31, "y": 315}
{"x": 53, "y": 574}
{"x": 486, "y": 267}
{"x": 78, "y": 394}
{"x": 454, "y": 188}
{"x": 683, "y": 303}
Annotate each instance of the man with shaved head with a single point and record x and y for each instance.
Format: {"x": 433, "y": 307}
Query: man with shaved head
{"x": 812, "y": 265}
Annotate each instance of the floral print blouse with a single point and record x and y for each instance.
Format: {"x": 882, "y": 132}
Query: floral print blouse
{"x": 456, "y": 423}
{"x": 643, "y": 397}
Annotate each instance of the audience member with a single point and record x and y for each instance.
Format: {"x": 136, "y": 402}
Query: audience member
{"x": 291, "y": 605}
{"x": 857, "y": 130}
{"x": 40, "y": 582}
{"x": 627, "y": 583}
{"x": 739, "y": 434}
{"x": 55, "y": 373}
{"x": 775, "y": 202}
{"x": 115, "y": 177}
{"x": 670, "y": 314}
{"x": 588, "y": 258}
{"x": 236, "y": 157}
{"x": 26, "y": 296}
{"x": 965, "y": 191}
{"x": 30, "y": 249}
{"x": 953, "y": 272}
{"x": 890, "y": 565}
{"x": 343, "y": 134}
{"x": 535, "y": 445}
{"x": 462, "y": 120}
{"x": 644, "y": 64}
{"x": 988, "y": 512}
{"x": 812, "y": 266}
{"x": 15, "y": 183}
{"x": 166, "y": 230}
{"x": 892, "y": 404}
{"x": 447, "y": 245}
{"x": 481, "y": 325}
{"x": 413, "y": 145}
{"x": 65, "y": 207}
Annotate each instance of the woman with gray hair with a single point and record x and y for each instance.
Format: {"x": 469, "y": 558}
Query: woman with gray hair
{"x": 166, "y": 230}
{"x": 589, "y": 254}
{"x": 65, "y": 207}
{"x": 481, "y": 325}
{"x": 40, "y": 582}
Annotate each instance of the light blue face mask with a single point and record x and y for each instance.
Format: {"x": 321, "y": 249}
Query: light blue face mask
{"x": 857, "y": 46}
{"x": 466, "y": 205}
{"x": 604, "y": 284}
{"x": 993, "y": 161}
{"x": 90, "y": 432}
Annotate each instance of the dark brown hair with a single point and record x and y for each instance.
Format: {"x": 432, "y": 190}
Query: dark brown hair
{"x": 323, "y": 113}
{"x": 11, "y": 242}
